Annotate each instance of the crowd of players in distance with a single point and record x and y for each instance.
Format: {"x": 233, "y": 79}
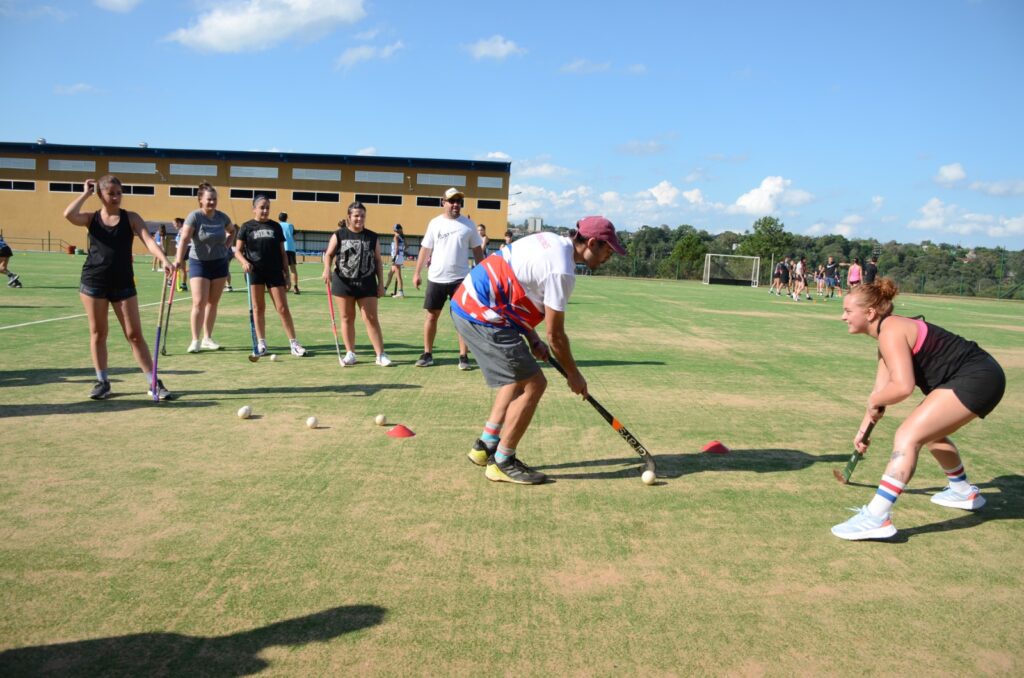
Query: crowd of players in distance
{"x": 792, "y": 276}
{"x": 496, "y": 308}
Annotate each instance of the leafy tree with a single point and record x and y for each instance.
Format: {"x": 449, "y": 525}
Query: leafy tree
{"x": 769, "y": 237}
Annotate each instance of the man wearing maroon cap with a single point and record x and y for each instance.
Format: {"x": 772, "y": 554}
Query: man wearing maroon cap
{"x": 498, "y": 306}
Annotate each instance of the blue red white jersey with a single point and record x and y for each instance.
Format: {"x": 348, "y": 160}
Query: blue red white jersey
{"x": 515, "y": 284}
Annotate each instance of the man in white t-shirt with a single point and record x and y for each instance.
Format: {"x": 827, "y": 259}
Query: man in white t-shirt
{"x": 498, "y": 305}
{"x": 447, "y": 244}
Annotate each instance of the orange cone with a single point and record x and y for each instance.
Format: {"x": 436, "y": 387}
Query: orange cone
{"x": 715, "y": 447}
{"x": 400, "y": 431}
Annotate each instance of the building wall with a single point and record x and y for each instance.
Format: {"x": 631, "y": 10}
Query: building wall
{"x": 300, "y": 179}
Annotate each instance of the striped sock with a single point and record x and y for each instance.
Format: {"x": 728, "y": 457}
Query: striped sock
{"x": 503, "y": 454}
{"x": 888, "y": 492}
{"x": 957, "y": 478}
{"x": 491, "y": 434}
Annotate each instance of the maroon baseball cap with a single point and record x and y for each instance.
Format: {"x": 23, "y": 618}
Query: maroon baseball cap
{"x": 602, "y": 229}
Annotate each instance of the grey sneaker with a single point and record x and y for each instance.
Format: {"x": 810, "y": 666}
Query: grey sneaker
{"x": 426, "y": 360}
{"x": 164, "y": 394}
{"x": 513, "y": 471}
{"x": 464, "y": 363}
{"x": 100, "y": 390}
{"x": 865, "y": 526}
{"x": 970, "y": 501}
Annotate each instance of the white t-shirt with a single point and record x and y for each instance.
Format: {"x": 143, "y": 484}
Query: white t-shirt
{"x": 451, "y": 242}
{"x": 543, "y": 264}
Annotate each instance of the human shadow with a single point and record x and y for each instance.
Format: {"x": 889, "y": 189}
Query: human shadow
{"x": 173, "y": 654}
{"x": 675, "y": 465}
{"x": 361, "y": 390}
{"x": 72, "y": 375}
{"x": 118, "y": 402}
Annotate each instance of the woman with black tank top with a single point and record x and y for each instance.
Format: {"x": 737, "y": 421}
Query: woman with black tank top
{"x": 109, "y": 280}
{"x": 960, "y": 381}
{"x": 353, "y": 268}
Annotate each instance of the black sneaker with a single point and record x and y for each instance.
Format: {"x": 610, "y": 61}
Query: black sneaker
{"x": 164, "y": 393}
{"x": 13, "y": 282}
{"x": 426, "y": 360}
{"x": 480, "y": 454}
{"x": 100, "y": 390}
{"x": 513, "y": 471}
{"x": 298, "y": 291}
{"x": 464, "y": 363}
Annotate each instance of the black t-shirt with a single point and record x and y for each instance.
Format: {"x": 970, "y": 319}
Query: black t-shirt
{"x": 870, "y": 271}
{"x": 261, "y": 244}
{"x": 830, "y": 270}
{"x": 356, "y": 255}
{"x": 109, "y": 264}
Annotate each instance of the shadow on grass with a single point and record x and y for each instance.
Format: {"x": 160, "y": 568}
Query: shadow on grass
{"x": 172, "y": 654}
{"x": 338, "y": 389}
{"x": 680, "y": 464}
{"x": 74, "y": 375}
{"x": 122, "y": 402}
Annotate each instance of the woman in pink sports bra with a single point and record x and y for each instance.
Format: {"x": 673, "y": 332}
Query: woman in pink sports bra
{"x": 960, "y": 381}
{"x": 854, "y": 276}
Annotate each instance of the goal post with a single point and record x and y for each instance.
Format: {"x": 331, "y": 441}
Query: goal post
{"x": 731, "y": 269}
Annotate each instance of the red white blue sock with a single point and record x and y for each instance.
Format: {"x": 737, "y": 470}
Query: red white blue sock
{"x": 957, "y": 478}
{"x": 889, "y": 490}
{"x": 491, "y": 434}
{"x": 503, "y": 454}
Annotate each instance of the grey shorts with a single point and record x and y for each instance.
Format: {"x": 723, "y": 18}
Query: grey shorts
{"x": 501, "y": 353}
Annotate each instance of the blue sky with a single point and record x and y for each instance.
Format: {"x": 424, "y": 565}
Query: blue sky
{"x": 896, "y": 120}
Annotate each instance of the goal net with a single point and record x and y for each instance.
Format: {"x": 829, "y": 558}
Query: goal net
{"x": 731, "y": 269}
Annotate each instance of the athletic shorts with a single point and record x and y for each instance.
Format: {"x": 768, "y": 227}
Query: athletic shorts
{"x": 268, "y": 278}
{"x": 979, "y": 385}
{"x": 399, "y": 260}
{"x": 107, "y": 293}
{"x": 830, "y": 282}
{"x": 291, "y": 258}
{"x": 211, "y": 270}
{"x": 784, "y": 280}
{"x": 438, "y": 293}
{"x": 357, "y": 288}
{"x": 5, "y": 251}
{"x": 503, "y": 356}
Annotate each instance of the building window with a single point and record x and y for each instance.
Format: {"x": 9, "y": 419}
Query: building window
{"x": 250, "y": 193}
{"x": 18, "y": 163}
{"x": 11, "y": 185}
{"x": 194, "y": 170}
{"x": 66, "y": 187}
{"x": 247, "y": 172}
{"x": 441, "y": 179}
{"x": 488, "y": 204}
{"x": 316, "y": 174}
{"x": 72, "y": 166}
{"x": 423, "y": 201}
{"x": 132, "y": 167}
{"x": 374, "y": 199}
{"x": 129, "y": 189}
{"x": 315, "y": 196}
{"x": 368, "y": 177}
{"x": 490, "y": 182}
{"x": 184, "y": 191}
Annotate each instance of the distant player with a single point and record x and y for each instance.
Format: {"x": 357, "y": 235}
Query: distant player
{"x": 289, "y": 249}
{"x": 5, "y": 257}
{"x": 960, "y": 382}
{"x": 397, "y": 261}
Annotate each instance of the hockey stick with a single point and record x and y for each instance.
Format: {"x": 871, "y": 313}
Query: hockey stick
{"x": 637, "y": 446}
{"x": 334, "y": 323}
{"x": 156, "y": 354}
{"x": 167, "y": 322}
{"x": 252, "y": 323}
{"x": 844, "y": 475}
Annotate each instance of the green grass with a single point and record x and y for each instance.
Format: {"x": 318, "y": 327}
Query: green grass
{"x": 176, "y": 539}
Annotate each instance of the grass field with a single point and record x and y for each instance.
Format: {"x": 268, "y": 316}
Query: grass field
{"x": 176, "y": 539}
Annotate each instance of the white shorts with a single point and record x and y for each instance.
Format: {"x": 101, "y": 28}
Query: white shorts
{"x": 399, "y": 260}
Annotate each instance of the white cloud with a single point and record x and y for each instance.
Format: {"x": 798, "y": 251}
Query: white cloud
{"x": 500, "y": 156}
{"x": 369, "y": 150}
{"x": 950, "y": 174}
{"x": 117, "y": 5}
{"x": 877, "y": 202}
{"x": 584, "y": 67}
{"x": 648, "y": 147}
{"x": 10, "y": 8}
{"x": 494, "y": 47}
{"x": 665, "y": 193}
{"x": 543, "y": 169}
{"x": 245, "y": 25}
{"x": 765, "y": 198}
{"x": 353, "y": 55}
{"x": 636, "y": 69}
{"x": 1007, "y": 227}
{"x": 846, "y": 227}
{"x": 368, "y": 35}
{"x": 76, "y": 89}
{"x": 999, "y": 189}
{"x": 940, "y": 217}
{"x": 697, "y": 174}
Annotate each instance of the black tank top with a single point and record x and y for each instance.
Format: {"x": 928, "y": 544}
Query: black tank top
{"x": 941, "y": 355}
{"x": 109, "y": 264}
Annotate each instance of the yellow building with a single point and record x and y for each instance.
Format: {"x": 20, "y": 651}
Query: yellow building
{"x": 37, "y": 181}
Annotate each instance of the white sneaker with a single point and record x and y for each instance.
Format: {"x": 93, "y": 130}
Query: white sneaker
{"x": 297, "y": 350}
{"x": 865, "y": 526}
{"x": 349, "y": 360}
{"x": 261, "y": 347}
{"x": 194, "y": 346}
{"x": 208, "y": 344}
{"x": 383, "y": 360}
{"x": 970, "y": 501}
{"x": 399, "y": 294}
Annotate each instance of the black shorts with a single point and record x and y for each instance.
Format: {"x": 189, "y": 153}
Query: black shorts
{"x": 357, "y": 288}
{"x": 438, "y": 293}
{"x": 979, "y": 385}
{"x": 5, "y": 251}
{"x": 291, "y": 258}
{"x": 107, "y": 293}
{"x": 213, "y": 269}
{"x": 268, "y": 278}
